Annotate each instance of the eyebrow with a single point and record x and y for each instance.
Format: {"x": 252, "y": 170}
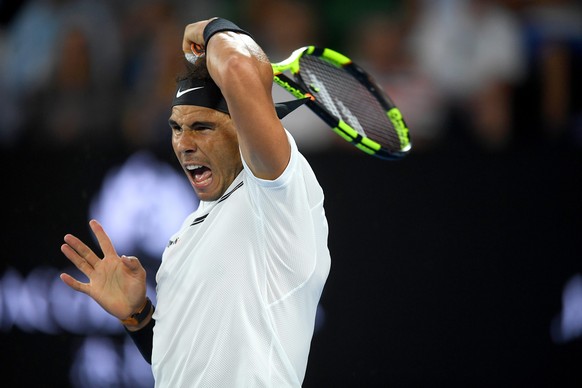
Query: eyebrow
{"x": 173, "y": 123}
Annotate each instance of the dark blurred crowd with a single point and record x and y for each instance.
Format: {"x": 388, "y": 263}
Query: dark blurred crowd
{"x": 494, "y": 74}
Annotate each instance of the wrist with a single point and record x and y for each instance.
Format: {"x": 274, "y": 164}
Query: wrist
{"x": 141, "y": 317}
{"x": 220, "y": 25}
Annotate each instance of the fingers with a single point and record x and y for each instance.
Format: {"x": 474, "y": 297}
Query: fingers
{"x": 189, "y": 38}
{"x": 197, "y": 49}
{"x": 74, "y": 283}
{"x": 104, "y": 241}
{"x": 85, "y": 262}
{"x": 81, "y": 255}
{"x": 81, "y": 249}
{"x": 193, "y": 34}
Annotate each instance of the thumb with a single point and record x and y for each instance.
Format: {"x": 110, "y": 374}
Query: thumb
{"x": 131, "y": 262}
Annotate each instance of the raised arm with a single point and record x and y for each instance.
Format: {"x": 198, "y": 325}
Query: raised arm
{"x": 244, "y": 75}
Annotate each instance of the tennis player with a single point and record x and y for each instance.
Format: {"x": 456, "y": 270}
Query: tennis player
{"x": 239, "y": 283}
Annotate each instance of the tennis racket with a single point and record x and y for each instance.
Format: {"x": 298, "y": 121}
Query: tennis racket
{"x": 347, "y": 98}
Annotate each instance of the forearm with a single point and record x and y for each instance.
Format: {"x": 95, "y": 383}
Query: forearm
{"x": 245, "y": 77}
{"x": 235, "y": 62}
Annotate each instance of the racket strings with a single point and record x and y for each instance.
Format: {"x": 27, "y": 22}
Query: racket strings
{"x": 349, "y": 99}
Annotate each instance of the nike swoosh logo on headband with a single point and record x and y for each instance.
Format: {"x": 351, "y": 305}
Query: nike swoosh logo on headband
{"x": 180, "y": 93}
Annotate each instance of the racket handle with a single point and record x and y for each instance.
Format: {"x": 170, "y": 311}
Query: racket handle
{"x": 197, "y": 52}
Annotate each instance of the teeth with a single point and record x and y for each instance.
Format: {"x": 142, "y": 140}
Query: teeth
{"x": 193, "y": 167}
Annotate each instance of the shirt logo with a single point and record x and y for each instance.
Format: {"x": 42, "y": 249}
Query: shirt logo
{"x": 172, "y": 242}
{"x": 180, "y": 93}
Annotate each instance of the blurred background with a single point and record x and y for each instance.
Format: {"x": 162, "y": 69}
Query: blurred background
{"x": 460, "y": 265}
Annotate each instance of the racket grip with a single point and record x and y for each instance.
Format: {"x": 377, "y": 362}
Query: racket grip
{"x": 197, "y": 52}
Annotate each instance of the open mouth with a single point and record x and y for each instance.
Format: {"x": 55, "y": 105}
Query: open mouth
{"x": 200, "y": 174}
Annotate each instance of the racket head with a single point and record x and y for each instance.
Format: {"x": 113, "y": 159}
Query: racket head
{"x": 347, "y": 98}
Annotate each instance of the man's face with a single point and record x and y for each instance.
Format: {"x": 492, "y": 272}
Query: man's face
{"x": 206, "y": 144}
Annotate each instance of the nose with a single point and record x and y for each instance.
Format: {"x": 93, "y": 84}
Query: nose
{"x": 185, "y": 143}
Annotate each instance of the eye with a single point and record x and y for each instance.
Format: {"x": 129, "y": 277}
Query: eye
{"x": 174, "y": 126}
{"x": 202, "y": 126}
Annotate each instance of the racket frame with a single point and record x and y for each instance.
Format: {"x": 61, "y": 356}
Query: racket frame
{"x": 299, "y": 90}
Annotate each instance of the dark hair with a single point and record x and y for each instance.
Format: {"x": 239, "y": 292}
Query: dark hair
{"x": 194, "y": 71}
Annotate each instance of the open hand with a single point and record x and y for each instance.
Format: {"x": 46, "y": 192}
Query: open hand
{"x": 118, "y": 284}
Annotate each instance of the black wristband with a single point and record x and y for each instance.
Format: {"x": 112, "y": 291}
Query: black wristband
{"x": 139, "y": 316}
{"x": 220, "y": 25}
